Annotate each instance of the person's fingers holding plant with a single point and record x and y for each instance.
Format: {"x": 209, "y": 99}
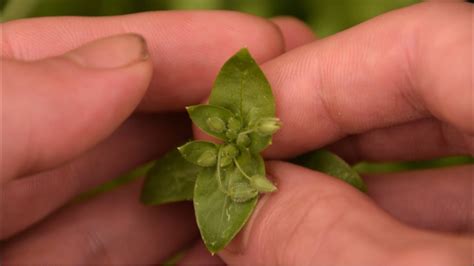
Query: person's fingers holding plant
{"x": 352, "y": 83}
{"x": 397, "y": 91}
{"x": 68, "y": 126}
{"x": 397, "y": 87}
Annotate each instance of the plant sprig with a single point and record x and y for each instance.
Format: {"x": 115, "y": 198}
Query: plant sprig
{"x": 225, "y": 179}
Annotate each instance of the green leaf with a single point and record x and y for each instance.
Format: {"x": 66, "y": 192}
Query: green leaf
{"x": 200, "y": 114}
{"x": 198, "y": 152}
{"x": 262, "y": 184}
{"x": 171, "y": 179}
{"x": 219, "y": 218}
{"x": 229, "y": 176}
{"x": 252, "y": 164}
{"x": 242, "y": 88}
{"x": 242, "y": 192}
{"x": 331, "y": 164}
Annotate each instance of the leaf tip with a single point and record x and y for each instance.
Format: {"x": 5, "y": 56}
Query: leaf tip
{"x": 245, "y": 49}
{"x": 191, "y": 108}
{"x": 273, "y": 189}
{"x": 213, "y": 249}
{"x": 245, "y": 52}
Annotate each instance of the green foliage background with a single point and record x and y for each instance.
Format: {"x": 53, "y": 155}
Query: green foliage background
{"x": 325, "y": 16}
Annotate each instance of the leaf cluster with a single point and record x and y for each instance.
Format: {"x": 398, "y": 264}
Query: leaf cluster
{"x": 224, "y": 179}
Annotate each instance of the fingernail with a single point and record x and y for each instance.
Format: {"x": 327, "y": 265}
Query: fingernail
{"x": 111, "y": 52}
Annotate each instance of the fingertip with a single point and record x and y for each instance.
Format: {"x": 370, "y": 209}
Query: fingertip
{"x": 111, "y": 52}
{"x": 289, "y": 213}
{"x": 269, "y": 41}
{"x": 294, "y": 31}
{"x": 309, "y": 218}
{"x": 72, "y": 102}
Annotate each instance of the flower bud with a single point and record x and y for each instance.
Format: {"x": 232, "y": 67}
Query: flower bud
{"x": 268, "y": 126}
{"x": 231, "y": 134}
{"x": 262, "y": 184}
{"x": 225, "y": 161}
{"x": 234, "y": 124}
{"x": 207, "y": 158}
{"x": 216, "y": 124}
{"x": 243, "y": 140}
{"x": 228, "y": 153}
{"x": 242, "y": 192}
{"x": 230, "y": 150}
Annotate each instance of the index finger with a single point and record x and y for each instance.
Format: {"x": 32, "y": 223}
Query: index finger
{"x": 407, "y": 65}
{"x": 187, "y": 48}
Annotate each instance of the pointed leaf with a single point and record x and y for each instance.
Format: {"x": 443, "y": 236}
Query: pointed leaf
{"x": 242, "y": 88}
{"x": 262, "y": 184}
{"x": 331, "y": 164}
{"x": 220, "y": 218}
{"x": 171, "y": 179}
{"x": 200, "y": 114}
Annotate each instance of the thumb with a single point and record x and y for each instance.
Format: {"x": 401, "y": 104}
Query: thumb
{"x": 57, "y": 108}
{"x": 314, "y": 219}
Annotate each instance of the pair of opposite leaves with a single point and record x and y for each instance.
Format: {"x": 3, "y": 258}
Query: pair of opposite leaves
{"x": 223, "y": 180}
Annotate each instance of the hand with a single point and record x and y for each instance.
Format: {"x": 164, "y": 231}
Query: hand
{"x": 73, "y": 120}
{"x": 397, "y": 87}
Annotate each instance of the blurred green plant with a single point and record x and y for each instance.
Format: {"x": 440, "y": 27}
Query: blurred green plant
{"x": 391, "y": 167}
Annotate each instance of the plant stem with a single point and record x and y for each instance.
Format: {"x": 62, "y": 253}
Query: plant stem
{"x": 241, "y": 170}
{"x": 219, "y": 180}
{"x": 247, "y": 131}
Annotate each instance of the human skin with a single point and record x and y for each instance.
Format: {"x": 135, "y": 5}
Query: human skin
{"x": 394, "y": 88}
